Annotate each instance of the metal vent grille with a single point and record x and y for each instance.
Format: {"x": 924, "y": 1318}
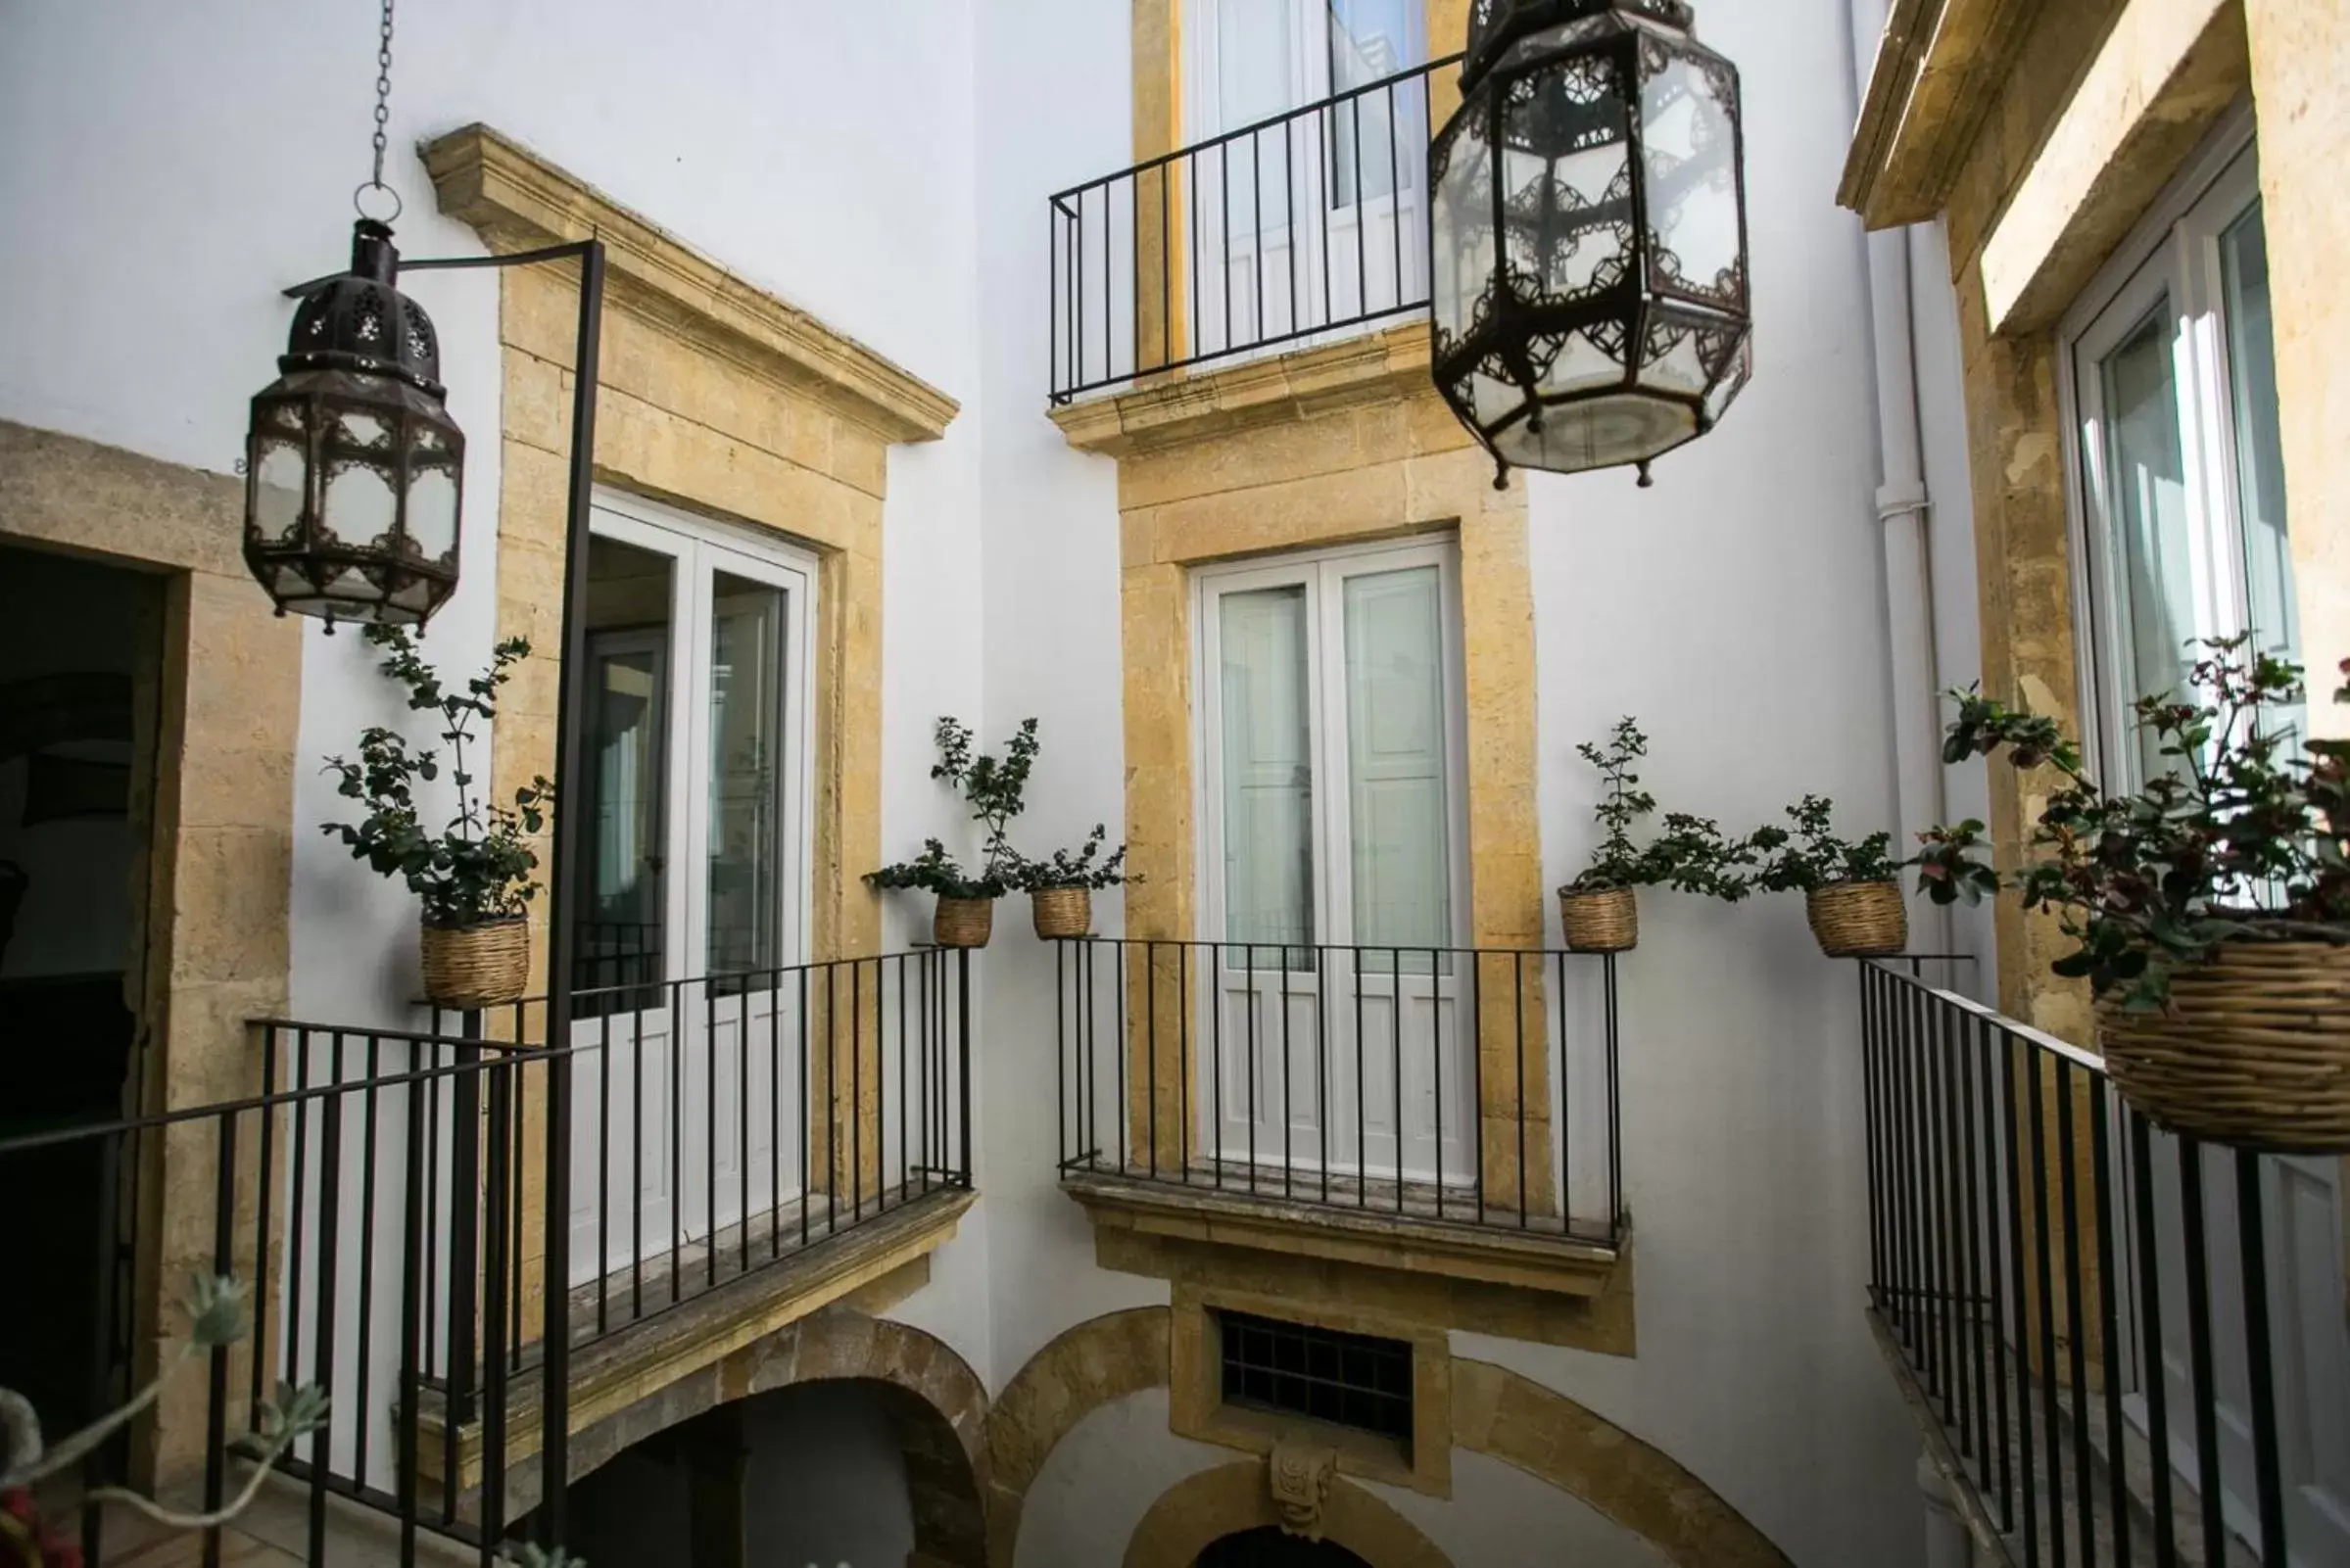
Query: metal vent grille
{"x": 1350, "y": 1380}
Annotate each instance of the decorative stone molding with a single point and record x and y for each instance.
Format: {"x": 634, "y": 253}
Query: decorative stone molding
{"x": 1299, "y": 1475}
{"x": 1494, "y": 1256}
{"x": 1377, "y": 366}
{"x": 1486, "y": 1409}
{"x": 520, "y": 201}
{"x": 2162, "y": 79}
{"x": 1937, "y": 70}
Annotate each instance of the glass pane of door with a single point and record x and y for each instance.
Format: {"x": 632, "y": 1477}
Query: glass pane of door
{"x": 1268, "y": 770}
{"x": 2269, "y": 604}
{"x": 1255, "y": 64}
{"x": 1379, "y": 135}
{"x": 621, "y": 889}
{"x": 2153, "y": 548}
{"x": 1396, "y": 755}
{"x": 745, "y": 891}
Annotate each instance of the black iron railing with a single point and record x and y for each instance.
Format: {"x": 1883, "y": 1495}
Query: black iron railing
{"x": 1314, "y": 221}
{"x": 1474, "y": 1086}
{"x": 2083, "y": 1302}
{"x": 384, "y": 1201}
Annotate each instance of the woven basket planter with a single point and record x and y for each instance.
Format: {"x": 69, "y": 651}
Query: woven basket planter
{"x": 1858, "y": 919}
{"x": 964, "y": 921}
{"x": 1062, "y": 911}
{"x": 478, "y": 965}
{"x": 2253, "y": 1052}
{"x": 1603, "y": 921}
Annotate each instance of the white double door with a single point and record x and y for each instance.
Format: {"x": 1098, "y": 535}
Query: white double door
{"x": 1311, "y": 220}
{"x": 1338, "y": 1014}
{"x": 689, "y": 898}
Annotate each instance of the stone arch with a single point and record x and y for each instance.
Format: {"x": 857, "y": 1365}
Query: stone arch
{"x": 935, "y": 1405}
{"x": 1194, "y": 1514}
{"x": 1098, "y": 1361}
{"x": 1514, "y": 1419}
{"x": 1495, "y": 1412}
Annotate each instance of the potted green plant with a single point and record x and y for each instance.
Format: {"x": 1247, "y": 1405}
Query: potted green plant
{"x": 1851, "y": 890}
{"x": 995, "y": 789}
{"x": 475, "y": 875}
{"x": 1693, "y": 855}
{"x": 2209, "y": 910}
{"x": 1598, "y": 911}
{"x": 1061, "y": 886}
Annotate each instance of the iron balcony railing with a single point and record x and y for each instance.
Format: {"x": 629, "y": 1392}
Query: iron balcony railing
{"x": 1472, "y": 1086}
{"x": 2088, "y": 1306}
{"x": 385, "y": 1199}
{"x": 1308, "y": 223}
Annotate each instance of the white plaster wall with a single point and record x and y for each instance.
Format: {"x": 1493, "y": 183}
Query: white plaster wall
{"x": 1096, "y": 1485}
{"x": 1951, "y": 545}
{"x": 1055, "y": 97}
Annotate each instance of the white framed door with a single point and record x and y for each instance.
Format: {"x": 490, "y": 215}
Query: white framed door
{"x": 1303, "y": 223}
{"x": 2182, "y": 530}
{"x": 1332, "y": 855}
{"x": 687, "y": 1117}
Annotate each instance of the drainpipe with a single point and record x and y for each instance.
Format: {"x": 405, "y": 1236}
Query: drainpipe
{"x": 1903, "y": 511}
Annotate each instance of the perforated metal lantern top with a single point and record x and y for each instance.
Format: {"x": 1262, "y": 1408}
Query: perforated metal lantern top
{"x": 354, "y": 470}
{"x": 1588, "y": 234}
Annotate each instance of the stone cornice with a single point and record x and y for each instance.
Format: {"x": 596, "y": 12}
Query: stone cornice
{"x": 1939, "y": 68}
{"x": 1177, "y": 410}
{"x": 520, "y": 201}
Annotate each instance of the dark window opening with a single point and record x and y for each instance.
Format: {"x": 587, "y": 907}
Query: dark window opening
{"x": 1269, "y": 1547}
{"x": 1347, "y": 1379}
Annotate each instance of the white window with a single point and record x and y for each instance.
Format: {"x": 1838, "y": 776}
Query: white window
{"x": 2170, "y": 369}
{"x": 2182, "y": 476}
{"x": 1316, "y": 220}
{"x": 1332, "y": 860}
{"x": 691, "y": 901}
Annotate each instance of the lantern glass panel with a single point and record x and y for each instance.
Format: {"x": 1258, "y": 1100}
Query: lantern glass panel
{"x": 278, "y": 478}
{"x": 1674, "y": 362}
{"x": 1733, "y": 382}
{"x": 365, "y": 430}
{"x": 1568, "y": 175}
{"x": 432, "y": 511}
{"x": 1464, "y": 230}
{"x": 1688, "y": 144}
{"x": 359, "y": 508}
{"x": 357, "y": 591}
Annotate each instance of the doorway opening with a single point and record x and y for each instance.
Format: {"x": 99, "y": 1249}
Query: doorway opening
{"x": 1269, "y": 1547}
{"x": 80, "y": 672}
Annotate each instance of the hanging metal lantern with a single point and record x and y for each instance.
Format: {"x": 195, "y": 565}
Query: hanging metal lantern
{"x": 1591, "y": 294}
{"x": 355, "y": 472}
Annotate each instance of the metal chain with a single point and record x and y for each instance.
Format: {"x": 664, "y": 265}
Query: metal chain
{"x": 383, "y": 114}
{"x": 383, "y": 89}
